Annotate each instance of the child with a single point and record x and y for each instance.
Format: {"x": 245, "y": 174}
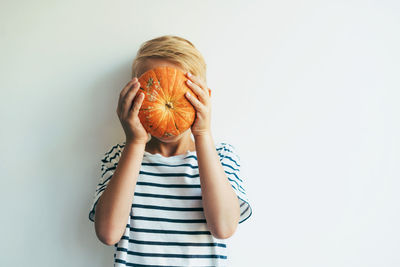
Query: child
{"x": 169, "y": 201}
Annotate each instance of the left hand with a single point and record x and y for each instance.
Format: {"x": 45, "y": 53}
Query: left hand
{"x": 202, "y": 105}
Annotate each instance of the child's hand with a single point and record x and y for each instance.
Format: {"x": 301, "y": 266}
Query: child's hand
{"x": 201, "y": 124}
{"x": 128, "y": 110}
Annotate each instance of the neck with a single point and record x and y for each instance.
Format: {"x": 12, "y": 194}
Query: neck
{"x": 171, "y": 147}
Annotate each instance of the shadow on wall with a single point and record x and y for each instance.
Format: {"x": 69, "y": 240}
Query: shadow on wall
{"x": 104, "y": 127}
{"x": 98, "y": 129}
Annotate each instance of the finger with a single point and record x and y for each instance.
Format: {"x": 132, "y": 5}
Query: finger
{"x": 197, "y": 80}
{"x": 134, "y": 111}
{"x": 201, "y": 94}
{"x": 128, "y": 86}
{"x": 196, "y": 103}
{"x": 123, "y": 92}
{"x": 127, "y": 101}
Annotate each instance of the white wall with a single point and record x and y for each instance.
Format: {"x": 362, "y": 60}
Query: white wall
{"x": 308, "y": 92}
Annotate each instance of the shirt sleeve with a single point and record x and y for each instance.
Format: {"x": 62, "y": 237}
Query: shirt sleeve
{"x": 230, "y": 161}
{"x": 108, "y": 164}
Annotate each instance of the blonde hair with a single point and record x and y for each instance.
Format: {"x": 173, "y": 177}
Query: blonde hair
{"x": 175, "y": 49}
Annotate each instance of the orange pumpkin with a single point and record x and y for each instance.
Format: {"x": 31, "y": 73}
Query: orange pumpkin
{"x": 165, "y": 111}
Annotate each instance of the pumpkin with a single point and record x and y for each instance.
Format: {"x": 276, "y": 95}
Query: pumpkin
{"x": 165, "y": 111}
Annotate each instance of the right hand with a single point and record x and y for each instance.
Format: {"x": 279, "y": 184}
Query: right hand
{"x": 128, "y": 109}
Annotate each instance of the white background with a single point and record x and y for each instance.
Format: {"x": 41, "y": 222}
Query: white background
{"x": 307, "y": 91}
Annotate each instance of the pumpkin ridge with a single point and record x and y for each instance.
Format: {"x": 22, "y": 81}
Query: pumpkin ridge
{"x": 177, "y": 116}
{"x": 167, "y": 83}
{"x": 170, "y": 128}
{"x": 159, "y": 122}
{"x": 158, "y": 88}
{"x": 148, "y": 85}
{"x": 183, "y": 118}
{"x": 164, "y": 83}
{"x": 175, "y": 79}
{"x": 158, "y": 98}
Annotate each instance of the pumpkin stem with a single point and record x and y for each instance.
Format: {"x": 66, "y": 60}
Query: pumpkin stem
{"x": 169, "y": 105}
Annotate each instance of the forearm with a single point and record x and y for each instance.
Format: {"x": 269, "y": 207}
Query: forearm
{"x": 220, "y": 203}
{"x": 114, "y": 205}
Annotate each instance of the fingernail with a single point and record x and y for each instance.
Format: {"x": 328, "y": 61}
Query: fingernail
{"x": 189, "y": 74}
{"x": 189, "y": 81}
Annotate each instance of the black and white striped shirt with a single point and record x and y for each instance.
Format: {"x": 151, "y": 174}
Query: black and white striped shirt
{"x": 166, "y": 226}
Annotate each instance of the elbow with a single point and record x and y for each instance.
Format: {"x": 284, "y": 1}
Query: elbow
{"x": 108, "y": 241}
{"x": 106, "y": 231}
{"x": 106, "y": 234}
{"x": 224, "y": 229}
{"x": 223, "y": 232}
{"x": 107, "y": 238}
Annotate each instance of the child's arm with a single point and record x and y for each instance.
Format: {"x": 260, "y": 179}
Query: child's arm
{"x": 114, "y": 205}
{"x": 220, "y": 202}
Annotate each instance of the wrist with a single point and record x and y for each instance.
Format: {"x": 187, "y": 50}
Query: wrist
{"x": 133, "y": 143}
{"x": 202, "y": 136}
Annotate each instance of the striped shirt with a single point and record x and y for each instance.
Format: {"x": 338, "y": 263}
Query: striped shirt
{"x": 166, "y": 225}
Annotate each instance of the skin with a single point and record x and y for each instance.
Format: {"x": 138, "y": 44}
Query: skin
{"x": 220, "y": 203}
